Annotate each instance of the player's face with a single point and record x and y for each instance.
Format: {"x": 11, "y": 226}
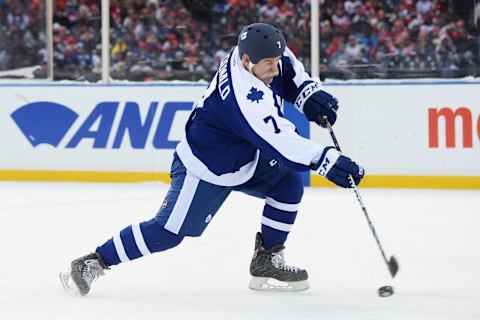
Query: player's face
{"x": 266, "y": 69}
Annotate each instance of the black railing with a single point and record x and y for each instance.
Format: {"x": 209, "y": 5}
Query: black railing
{"x": 347, "y": 73}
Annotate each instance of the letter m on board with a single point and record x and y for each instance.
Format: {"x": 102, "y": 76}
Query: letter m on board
{"x": 449, "y": 116}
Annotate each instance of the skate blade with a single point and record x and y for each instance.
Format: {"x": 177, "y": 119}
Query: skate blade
{"x": 269, "y": 284}
{"x": 68, "y": 283}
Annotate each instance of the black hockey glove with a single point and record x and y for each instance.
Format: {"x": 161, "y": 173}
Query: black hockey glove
{"x": 321, "y": 104}
{"x": 336, "y": 168}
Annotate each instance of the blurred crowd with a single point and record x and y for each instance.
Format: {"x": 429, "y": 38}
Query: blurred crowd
{"x": 162, "y": 39}
{"x": 22, "y": 34}
{"x": 432, "y": 37}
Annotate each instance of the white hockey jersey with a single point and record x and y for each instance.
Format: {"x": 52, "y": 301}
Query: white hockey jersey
{"x": 239, "y": 116}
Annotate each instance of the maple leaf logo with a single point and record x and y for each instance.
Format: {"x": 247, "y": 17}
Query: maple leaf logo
{"x": 255, "y": 95}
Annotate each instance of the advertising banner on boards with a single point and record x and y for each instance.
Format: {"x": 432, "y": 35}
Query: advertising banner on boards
{"x": 127, "y": 132}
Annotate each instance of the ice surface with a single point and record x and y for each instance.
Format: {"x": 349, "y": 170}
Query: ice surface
{"x": 434, "y": 234}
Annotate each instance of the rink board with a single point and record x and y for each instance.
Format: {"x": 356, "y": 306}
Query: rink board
{"x": 406, "y": 134}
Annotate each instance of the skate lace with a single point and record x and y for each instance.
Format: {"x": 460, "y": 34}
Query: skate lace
{"x": 92, "y": 271}
{"x": 278, "y": 261}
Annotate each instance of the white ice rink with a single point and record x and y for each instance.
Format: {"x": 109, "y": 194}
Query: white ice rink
{"x": 434, "y": 234}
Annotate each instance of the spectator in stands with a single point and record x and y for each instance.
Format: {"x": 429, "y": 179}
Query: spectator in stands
{"x": 424, "y": 7}
{"x": 4, "y": 56}
{"x": 17, "y": 20}
{"x": 355, "y": 53}
{"x": 351, "y": 7}
{"x": 269, "y": 10}
{"x": 341, "y": 21}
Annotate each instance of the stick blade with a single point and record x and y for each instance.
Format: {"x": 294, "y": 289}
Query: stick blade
{"x": 393, "y": 266}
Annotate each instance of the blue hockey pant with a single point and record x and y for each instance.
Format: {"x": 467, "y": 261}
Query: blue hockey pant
{"x": 191, "y": 204}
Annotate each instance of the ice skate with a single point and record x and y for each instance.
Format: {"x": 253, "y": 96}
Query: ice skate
{"x": 77, "y": 279}
{"x": 269, "y": 272}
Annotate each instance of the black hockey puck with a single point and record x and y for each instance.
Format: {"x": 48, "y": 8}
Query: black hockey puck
{"x": 385, "y": 291}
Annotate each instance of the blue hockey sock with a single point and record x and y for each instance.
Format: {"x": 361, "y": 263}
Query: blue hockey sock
{"x": 280, "y": 211}
{"x": 276, "y": 224}
{"x": 136, "y": 241}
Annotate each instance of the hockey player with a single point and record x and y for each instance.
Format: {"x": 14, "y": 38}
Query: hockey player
{"x": 237, "y": 139}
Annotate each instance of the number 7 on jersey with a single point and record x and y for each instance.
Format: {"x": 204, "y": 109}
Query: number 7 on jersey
{"x": 275, "y": 126}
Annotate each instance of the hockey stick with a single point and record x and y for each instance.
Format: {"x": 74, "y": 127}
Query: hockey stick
{"x": 392, "y": 264}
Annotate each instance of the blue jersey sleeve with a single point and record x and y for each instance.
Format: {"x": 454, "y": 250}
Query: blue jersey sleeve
{"x": 298, "y": 86}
